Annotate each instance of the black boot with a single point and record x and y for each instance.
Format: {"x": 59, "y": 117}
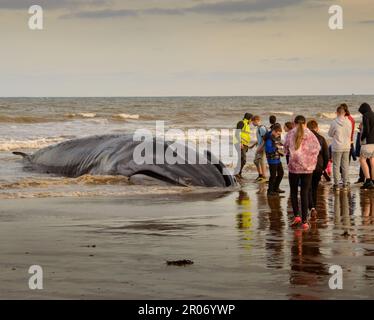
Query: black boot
{"x": 368, "y": 185}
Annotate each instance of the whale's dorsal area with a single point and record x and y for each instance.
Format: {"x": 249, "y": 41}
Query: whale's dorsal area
{"x": 114, "y": 155}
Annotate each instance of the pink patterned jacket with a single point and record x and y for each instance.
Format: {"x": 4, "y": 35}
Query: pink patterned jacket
{"x": 303, "y": 160}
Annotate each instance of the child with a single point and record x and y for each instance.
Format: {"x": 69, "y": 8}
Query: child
{"x": 340, "y": 132}
{"x": 322, "y": 162}
{"x": 274, "y": 151}
{"x": 288, "y": 126}
{"x": 273, "y": 121}
{"x": 352, "y": 120}
{"x": 303, "y": 147}
{"x": 259, "y": 159}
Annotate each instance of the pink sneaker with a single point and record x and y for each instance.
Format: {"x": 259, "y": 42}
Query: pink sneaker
{"x": 305, "y": 226}
{"x": 296, "y": 221}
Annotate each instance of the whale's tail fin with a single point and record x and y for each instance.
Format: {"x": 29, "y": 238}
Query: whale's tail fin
{"x": 22, "y": 154}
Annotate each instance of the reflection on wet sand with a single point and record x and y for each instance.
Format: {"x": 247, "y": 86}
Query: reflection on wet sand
{"x": 342, "y": 217}
{"x": 274, "y": 243}
{"x": 307, "y": 256}
{"x": 367, "y": 208}
{"x": 307, "y": 268}
{"x": 244, "y": 218}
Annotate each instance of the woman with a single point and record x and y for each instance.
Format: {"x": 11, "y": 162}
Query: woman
{"x": 303, "y": 148}
{"x": 367, "y": 145}
{"x": 361, "y": 178}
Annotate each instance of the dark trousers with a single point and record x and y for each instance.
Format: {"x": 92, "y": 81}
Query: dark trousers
{"x": 352, "y": 154}
{"x": 316, "y": 179}
{"x": 243, "y": 158}
{"x": 305, "y": 181}
{"x": 276, "y": 176}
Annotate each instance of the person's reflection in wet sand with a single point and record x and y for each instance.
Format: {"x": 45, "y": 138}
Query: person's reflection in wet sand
{"x": 352, "y": 205}
{"x": 275, "y": 237}
{"x": 306, "y": 268}
{"x": 321, "y": 219}
{"x": 244, "y": 218}
{"x": 367, "y": 207}
{"x": 342, "y": 217}
{"x": 262, "y": 207}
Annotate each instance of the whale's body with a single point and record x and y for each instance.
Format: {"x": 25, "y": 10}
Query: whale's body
{"x": 114, "y": 155}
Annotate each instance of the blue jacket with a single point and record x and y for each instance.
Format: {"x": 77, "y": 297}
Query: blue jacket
{"x": 271, "y": 150}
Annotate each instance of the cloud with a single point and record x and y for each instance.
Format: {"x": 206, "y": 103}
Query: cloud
{"x": 221, "y": 8}
{"x": 292, "y": 59}
{"x": 284, "y": 60}
{"x": 102, "y": 14}
{"x": 367, "y": 22}
{"x": 297, "y": 74}
{"x": 230, "y": 7}
{"x": 250, "y": 19}
{"x": 51, "y": 4}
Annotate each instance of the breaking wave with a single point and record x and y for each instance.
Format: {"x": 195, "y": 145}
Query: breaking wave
{"x": 11, "y": 145}
{"x": 326, "y": 115}
{"x": 286, "y": 113}
{"x": 124, "y": 116}
{"x": 81, "y": 115}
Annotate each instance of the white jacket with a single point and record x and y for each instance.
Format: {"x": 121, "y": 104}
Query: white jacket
{"x": 340, "y": 132}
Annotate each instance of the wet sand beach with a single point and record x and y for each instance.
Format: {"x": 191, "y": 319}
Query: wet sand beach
{"x": 240, "y": 241}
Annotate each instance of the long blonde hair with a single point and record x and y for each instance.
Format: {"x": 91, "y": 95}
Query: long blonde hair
{"x": 299, "y": 122}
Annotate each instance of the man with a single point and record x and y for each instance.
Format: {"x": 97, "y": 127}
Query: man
{"x": 239, "y": 145}
{"x": 247, "y": 128}
{"x": 367, "y": 144}
{"x": 245, "y": 138}
{"x": 340, "y": 132}
{"x": 322, "y": 162}
{"x": 259, "y": 160}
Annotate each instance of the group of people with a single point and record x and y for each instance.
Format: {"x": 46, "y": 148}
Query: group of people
{"x": 308, "y": 155}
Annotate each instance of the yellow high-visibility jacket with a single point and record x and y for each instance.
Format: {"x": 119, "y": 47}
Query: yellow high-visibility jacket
{"x": 246, "y": 133}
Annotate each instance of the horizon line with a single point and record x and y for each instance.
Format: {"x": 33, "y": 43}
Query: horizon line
{"x": 197, "y": 96}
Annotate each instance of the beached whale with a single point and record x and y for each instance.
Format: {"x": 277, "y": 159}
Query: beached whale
{"x": 114, "y": 155}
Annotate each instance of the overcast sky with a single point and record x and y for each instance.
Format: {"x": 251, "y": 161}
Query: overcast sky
{"x": 186, "y": 47}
